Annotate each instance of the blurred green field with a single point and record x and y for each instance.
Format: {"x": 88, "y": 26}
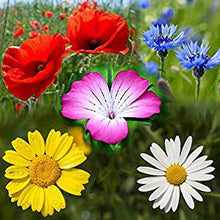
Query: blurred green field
{"x": 112, "y": 191}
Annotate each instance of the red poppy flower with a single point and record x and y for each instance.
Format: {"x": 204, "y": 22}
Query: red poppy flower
{"x": 96, "y": 31}
{"x": 1, "y": 13}
{"x": 33, "y": 34}
{"x": 62, "y": 16}
{"x": 45, "y": 28}
{"x": 49, "y": 14}
{"x": 31, "y": 68}
{"x": 18, "y": 32}
{"x": 35, "y": 24}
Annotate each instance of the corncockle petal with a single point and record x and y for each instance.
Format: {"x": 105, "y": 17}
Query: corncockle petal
{"x": 87, "y": 98}
{"x": 144, "y": 107}
{"x": 126, "y": 88}
{"x": 91, "y": 99}
{"x": 108, "y": 130}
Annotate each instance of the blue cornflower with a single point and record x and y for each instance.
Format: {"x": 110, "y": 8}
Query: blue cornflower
{"x": 152, "y": 68}
{"x": 193, "y": 56}
{"x": 161, "y": 38}
{"x": 145, "y": 4}
{"x": 165, "y": 17}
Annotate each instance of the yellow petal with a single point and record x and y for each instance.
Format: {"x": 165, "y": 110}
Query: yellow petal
{"x": 15, "y": 186}
{"x": 26, "y": 198}
{"x": 77, "y": 174}
{"x": 48, "y": 206}
{"x": 57, "y": 199}
{"x": 37, "y": 142}
{"x": 15, "y": 197}
{"x": 16, "y": 172}
{"x": 73, "y": 158}
{"x": 70, "y": 185}
{"x": 63, "y": 147}
{"x": 15, "y": 158}
{"x": 38, "y": 198}
{"x": 52, "y": 142}
{"x": 23, "y": 148}
{"x": 77, "y": 133}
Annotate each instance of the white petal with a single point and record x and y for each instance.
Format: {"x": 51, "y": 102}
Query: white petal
{"x": 176, "y": 149}
{"x": 187, "y": 197}
{"x": 200, "y": 177}
{"x": 175, "y": 198}
{"x": 149, "y": 180}
{"x": 151, "y": 171}
{"x": 157, "y": 202}
{"x": 193, "y": 193}
{"x": 160, "y": 155}
{"x": 168, "y": 205}
{"x": 198, "y": 186}
{"x": 166, "y": 196}
{"x": 185, "y": 150}
{"x": 149, "y": 187}
{"x": 169, "y": 151}
{"x": 199, "y": 166}
{"x": 205, "y": 171}
{"x": 152, "y": 161}
{"x": 192, "y": 157}
{"x": 158, "y": 192}
{"x": 199, "y": 160}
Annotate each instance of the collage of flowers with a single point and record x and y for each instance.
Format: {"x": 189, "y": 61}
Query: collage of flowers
{"x": 110, "y": 109}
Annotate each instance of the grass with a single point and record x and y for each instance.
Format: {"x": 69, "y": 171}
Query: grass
{"x": 112, "y": 192}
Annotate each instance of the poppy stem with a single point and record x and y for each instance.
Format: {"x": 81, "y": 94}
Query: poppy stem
{"x": 197, "y": 87}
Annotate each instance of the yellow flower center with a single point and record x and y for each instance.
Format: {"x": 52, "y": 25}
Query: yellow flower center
{"x": 176, "y": 174}
{"x": 44, "y": 171}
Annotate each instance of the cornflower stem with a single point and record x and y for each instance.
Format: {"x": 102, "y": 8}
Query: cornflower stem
{"x": 161, "y": 66}
{"x": 197, "y": 87}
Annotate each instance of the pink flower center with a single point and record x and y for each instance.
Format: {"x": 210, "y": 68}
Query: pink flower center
{"x": 111, "y": 115}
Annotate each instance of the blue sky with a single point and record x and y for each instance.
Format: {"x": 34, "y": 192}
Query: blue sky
{"x": 12, "y": 1}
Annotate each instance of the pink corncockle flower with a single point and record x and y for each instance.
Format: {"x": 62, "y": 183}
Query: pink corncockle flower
{"x": 107, "y": 109}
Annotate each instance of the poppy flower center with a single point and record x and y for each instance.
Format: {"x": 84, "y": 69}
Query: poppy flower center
{"x": 93, "y": 44}
{"x": 44, "y": 171}
{"x": 176, "y": 174}
{"x": 40, "y": 67}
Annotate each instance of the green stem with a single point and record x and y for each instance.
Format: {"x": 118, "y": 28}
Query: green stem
{"x": 197, "y": 87}
{"x": 3, "y": 32}
{"x": 161, "y": 66}
{"x": 213, "y": 194}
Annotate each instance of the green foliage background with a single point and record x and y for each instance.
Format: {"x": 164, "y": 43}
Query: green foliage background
{"x": 112, "y": 190}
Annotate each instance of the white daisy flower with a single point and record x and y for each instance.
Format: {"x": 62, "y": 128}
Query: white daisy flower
{"x": 175, "y": 171}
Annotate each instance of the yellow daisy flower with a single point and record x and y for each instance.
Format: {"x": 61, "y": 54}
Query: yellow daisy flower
{"x": 77, "y": 133}
{"x": 38, "y": 168}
